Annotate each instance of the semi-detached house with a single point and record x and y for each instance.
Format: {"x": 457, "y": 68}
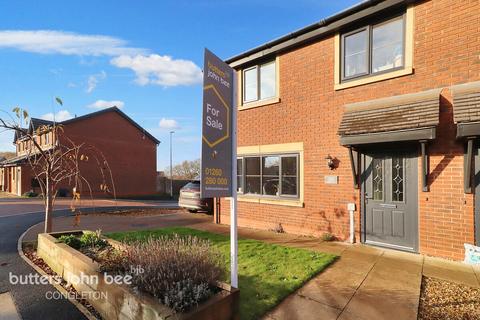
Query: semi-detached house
{"x": 129, "y": 150}
{"x": 378, "y": 105}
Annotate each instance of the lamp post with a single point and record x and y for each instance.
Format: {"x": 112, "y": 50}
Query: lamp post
{"x": 171, "y": 166}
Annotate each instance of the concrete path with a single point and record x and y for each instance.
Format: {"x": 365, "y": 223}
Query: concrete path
{"x": 8, "y": 311}
{"x": 365, "y": 283}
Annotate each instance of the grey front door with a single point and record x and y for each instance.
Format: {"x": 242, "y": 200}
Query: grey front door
{"x": 390, "y": 192}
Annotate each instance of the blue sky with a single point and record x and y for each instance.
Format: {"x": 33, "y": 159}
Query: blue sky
{"x": 144, "y": 56}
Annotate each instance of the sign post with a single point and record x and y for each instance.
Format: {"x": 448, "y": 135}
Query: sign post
{"x": 219, "y": 149}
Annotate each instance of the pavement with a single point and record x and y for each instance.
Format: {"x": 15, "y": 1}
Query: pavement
{"x": 20, "y": 206}
{"x": 16, "y": 216}
{"x": 364, "y": 283}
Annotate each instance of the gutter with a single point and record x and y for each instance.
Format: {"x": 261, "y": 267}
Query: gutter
{"x": 316, "y": 30}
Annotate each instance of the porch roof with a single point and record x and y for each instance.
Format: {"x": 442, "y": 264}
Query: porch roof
{"x": 13, "y": 161}
{"x": 466, "y": 108}
{"x": 398, "y": 118}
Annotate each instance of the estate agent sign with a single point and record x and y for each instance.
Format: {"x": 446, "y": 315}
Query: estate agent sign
{"x": 216, "y": 175}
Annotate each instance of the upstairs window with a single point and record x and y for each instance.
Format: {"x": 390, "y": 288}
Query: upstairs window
{"x": 259, "y": 82}
{"x": 373, "y": 49}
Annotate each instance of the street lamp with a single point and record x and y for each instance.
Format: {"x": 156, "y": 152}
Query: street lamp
{"x": 171, "y": 167}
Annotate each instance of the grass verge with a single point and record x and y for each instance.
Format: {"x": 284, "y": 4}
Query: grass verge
{"x": 268, "y": 273}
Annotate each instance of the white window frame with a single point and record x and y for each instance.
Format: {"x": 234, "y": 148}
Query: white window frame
{"x": 259, "y": 84}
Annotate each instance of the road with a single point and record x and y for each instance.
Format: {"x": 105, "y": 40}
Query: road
{"x": 21, "y": 206}
{"x": 16, "y": 216}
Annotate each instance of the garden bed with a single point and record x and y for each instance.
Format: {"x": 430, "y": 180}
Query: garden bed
{"x": 119, "y": 300}
{"x": 441, "y": 299}
{"x": 268, "y": 273}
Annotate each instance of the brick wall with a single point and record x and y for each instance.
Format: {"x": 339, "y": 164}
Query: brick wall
{"x": 130, "y": 154}
{"x": 446, "y": 52}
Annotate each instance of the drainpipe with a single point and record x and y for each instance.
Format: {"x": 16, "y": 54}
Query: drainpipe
{"x": 351, "y": 210}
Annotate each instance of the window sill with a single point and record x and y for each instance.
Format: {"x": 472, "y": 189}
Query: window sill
{"x": 371, "y": 79}
{"x": 272, "y": 201}
{"x": 257, "y": 104}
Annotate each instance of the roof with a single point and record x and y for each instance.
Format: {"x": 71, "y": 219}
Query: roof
{"x": 466, "y": 102}
{"x": 317, "y": 30}
{"x": 35, "y": 122}
{"x": 14, "y": 160}
{"x": 409, "y": 111}
{"x": 120, "y": 112}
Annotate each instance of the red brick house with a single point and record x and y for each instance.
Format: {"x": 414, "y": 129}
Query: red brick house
{"x": 377, "y": 105}
{"x": 130, "y": 151}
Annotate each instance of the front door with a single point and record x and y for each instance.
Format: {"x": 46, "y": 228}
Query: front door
{"x": 390, "y": 194}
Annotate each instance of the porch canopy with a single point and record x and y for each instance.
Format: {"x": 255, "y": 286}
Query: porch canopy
{"x": 409, "y": 117}
{"x": 18, "y": 160}
{"x": 466, "y": 115}
{"x": 466, "y": 109}
{"x": 406, "y": 117}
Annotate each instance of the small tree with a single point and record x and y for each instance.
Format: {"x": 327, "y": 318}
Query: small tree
{"x": 60, "y": 164}
{"x": 185, "y": 170}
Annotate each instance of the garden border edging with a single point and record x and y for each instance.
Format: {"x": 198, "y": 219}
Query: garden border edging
{"x": 115, "y": 301}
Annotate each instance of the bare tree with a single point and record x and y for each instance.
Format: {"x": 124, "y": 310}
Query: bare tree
{"x": 60, "y": 164}
{"x": 185, "y": 170}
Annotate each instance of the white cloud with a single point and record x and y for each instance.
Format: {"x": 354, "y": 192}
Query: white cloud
{"x": 160, "y": 70}
{"x": 60, "y": 116}
{"x": 103, "y": 104}
{"x": 168, "y": 124}
{"x": 67, "y": 43}
{"x": 93, "y": 81}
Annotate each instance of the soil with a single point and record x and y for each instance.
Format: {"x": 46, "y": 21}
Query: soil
{"x": 136, "y": 212}
{"x": 31, "y": 254}
{"x": 441, "y": 299}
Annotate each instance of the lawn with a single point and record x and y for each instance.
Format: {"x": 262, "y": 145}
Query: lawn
{"x": 267, "y": 273}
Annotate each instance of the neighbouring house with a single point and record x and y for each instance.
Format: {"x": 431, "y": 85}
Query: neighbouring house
{"x": 129, "y": 149}
{"x": 377, "y": 105}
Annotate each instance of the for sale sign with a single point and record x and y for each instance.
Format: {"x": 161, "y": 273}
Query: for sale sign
{"x": 216, "y": 175}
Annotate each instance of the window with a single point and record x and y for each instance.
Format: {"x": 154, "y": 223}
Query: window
{"x": 239, "y": 175}
{"x": 377, "y": 179}
{"x": 373, "y": 49}
{"x": 252, "y": 175}
{"x": 269, "y": 175}
{"x": 47, "y": 138}
{"x": 259, "y": 82}
{"x": 289, "y": 176}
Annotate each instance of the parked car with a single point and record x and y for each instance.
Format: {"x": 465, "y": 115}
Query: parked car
{"x": 190, "y": 198}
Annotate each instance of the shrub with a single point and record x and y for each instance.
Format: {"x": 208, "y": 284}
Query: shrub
{"x": 93, "y": 239}
{"x": 62, "y": 192}
{"x": 30, "y": 194}
{"x": 179, "y": 271}
{"x": 71, "y": 240}
{"x": 88, "y": 239}
{"x": 278, "y": 228}
{"x": 327, "y": 236}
